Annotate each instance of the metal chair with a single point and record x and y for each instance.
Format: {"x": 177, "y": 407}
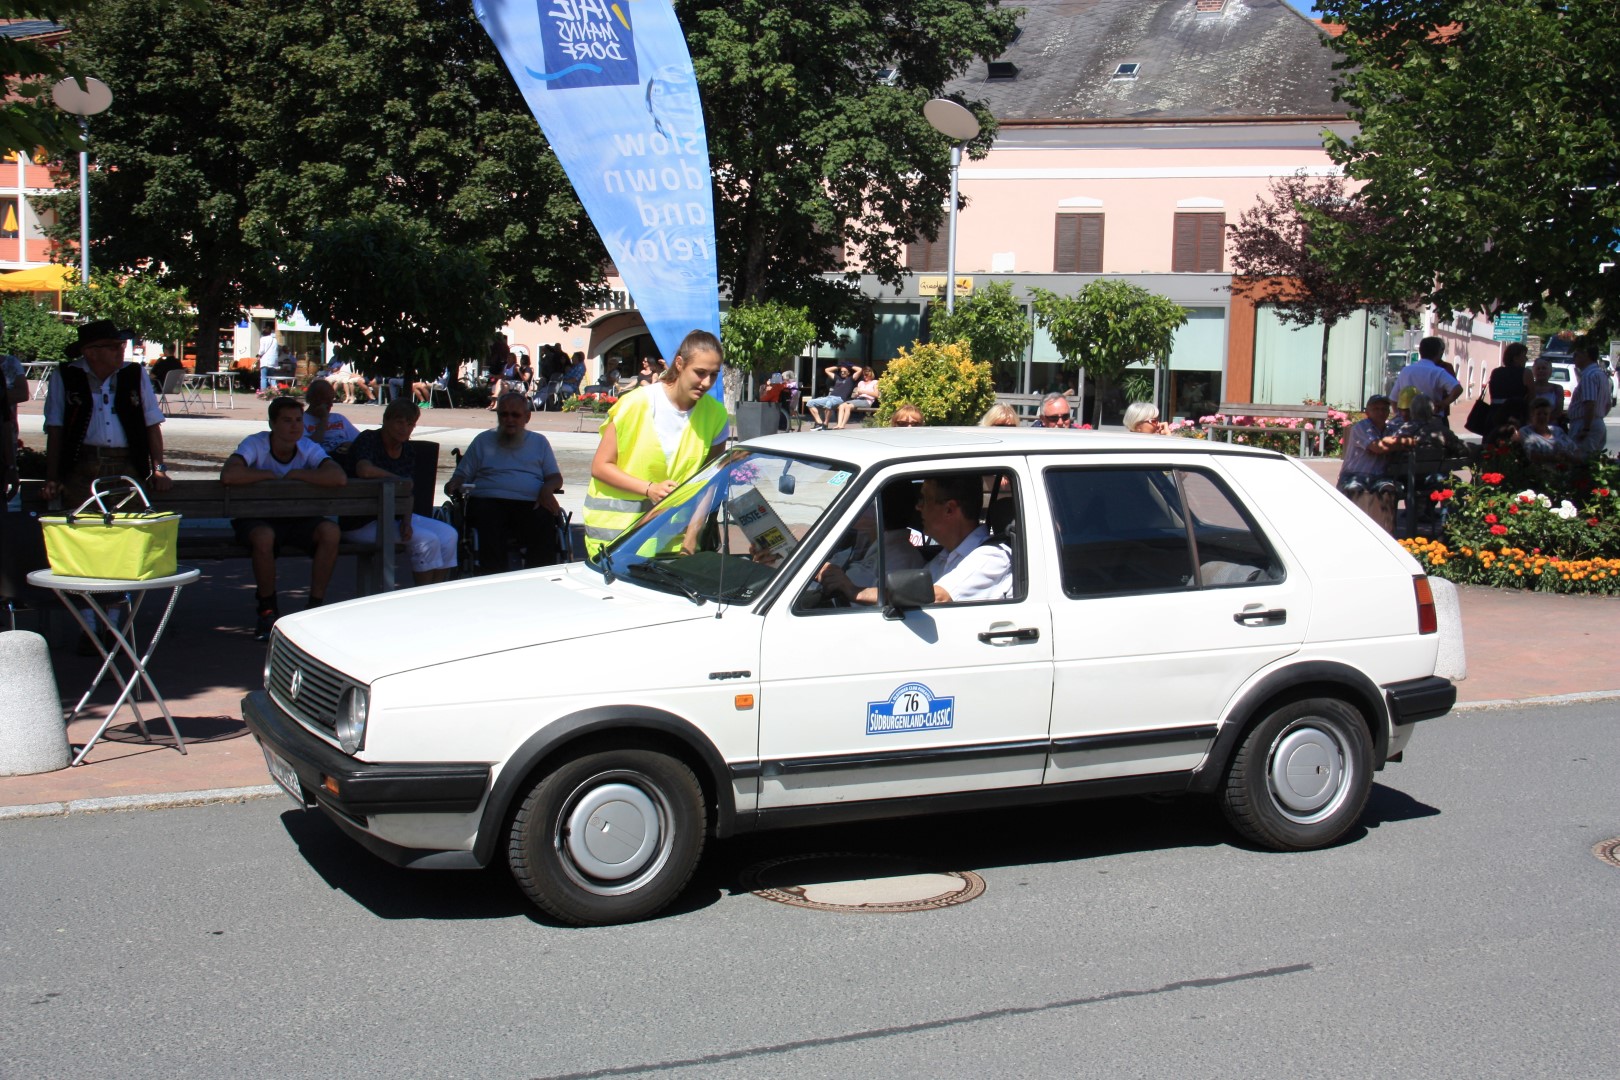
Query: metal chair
{"x": 174, "y": 383}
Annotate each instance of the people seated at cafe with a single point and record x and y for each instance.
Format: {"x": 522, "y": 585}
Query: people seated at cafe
{"x": 283, "y": 453}
{"x": 512, "y": 479}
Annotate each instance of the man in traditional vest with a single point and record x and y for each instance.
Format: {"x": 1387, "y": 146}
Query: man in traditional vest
{"x": 101, "y": 418}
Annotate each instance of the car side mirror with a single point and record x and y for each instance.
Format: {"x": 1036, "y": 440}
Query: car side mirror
{"x": 907, "y": 590}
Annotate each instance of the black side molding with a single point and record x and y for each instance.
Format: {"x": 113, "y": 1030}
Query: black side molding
{"x": 1420, "y": 699}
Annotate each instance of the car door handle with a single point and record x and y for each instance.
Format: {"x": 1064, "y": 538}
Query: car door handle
{"x": 1022, "y": 633}
{"x": 1274, "y": 617}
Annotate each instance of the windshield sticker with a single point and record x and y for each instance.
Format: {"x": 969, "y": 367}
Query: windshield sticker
{"x": 912, "y": 707}
{"x": 837, "y": 479}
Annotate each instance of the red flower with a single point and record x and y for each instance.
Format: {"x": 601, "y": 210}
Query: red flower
{"x": 1490, "y": 519}
{"x": 1437, "y": 496}
{"x": 1535, "y": 551}
{"x": 1604, "y": 492}
{"x": 1492, "y": 477}
{"x": 1498, "y": 530}
{"x": 1513, "y": 509}
{"x": 1592, "y": 522}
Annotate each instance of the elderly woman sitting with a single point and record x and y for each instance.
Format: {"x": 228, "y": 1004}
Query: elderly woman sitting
{"x": 1540, "y": 441}
{"x": 1143, "y": 418}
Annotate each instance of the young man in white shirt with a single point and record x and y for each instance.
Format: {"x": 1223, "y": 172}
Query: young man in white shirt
{"x": 282, "y": 453}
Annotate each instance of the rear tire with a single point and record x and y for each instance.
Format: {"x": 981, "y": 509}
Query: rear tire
{"x": 1301, "y": 777}
{"x": 608, "y": 837}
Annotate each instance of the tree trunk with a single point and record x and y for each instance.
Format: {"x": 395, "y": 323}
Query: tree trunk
{"x": 210, "y": 308}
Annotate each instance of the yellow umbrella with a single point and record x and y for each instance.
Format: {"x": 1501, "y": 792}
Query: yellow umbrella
{"x": 50, "y": 278}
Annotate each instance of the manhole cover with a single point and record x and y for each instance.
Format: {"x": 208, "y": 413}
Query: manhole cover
{"x": 872, "y": 884}
{"x": 1608, "y": 851}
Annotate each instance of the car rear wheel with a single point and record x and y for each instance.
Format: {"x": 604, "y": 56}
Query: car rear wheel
{"x": 608, "y": 837}
{"x": 1301, "y": 777}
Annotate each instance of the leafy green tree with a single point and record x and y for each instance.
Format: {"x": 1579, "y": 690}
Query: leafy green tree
{"x": 761, "y": 336}
{"x": 992, "y": 321}
{"x": 816, "y": 152}
{"x": 169, "y": 193}
{"x": 942, "y": 380}
{"x": 411, "y": 312}
{"x": 364, "y": 115}
{"x": 1108, "y": 326}
{"x": 1489, "y": 133}
{"x": 136, "y": 303}
{"x": 29, "y": 119}
{"x": 33, "y": 332}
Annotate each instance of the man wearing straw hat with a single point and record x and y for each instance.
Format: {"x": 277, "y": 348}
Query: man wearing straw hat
{"x": 101, "y": 418}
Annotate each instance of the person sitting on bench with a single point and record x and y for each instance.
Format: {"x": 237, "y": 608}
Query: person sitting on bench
{"x": 283, "y": 453}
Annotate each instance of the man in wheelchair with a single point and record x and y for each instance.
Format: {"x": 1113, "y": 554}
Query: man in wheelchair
{"x": 511, "y": 478}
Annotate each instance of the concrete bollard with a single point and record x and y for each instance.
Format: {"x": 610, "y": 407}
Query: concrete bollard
{"x": 33, "y": 738}
{"x": 1452, "y": 663}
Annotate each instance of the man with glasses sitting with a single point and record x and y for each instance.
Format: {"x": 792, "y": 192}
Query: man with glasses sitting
{"x": 1055, "y": 412}
{"x": 513, "y": 479}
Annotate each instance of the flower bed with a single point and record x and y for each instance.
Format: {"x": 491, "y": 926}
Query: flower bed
{"x": 1552, "y": 528}
{"x": 594, "y": 402}
{"x": 1282, "y": 432}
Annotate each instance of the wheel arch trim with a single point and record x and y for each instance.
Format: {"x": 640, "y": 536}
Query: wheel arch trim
{"x": 1291, "y": 682}
{"x": 628, "y": 719}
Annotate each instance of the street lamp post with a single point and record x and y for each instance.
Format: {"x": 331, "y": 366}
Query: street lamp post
{"x": 83, "y": 101}
{"x": 958, "y": 124}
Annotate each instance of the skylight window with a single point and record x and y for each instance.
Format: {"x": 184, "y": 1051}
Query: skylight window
{"x": 1126, "y": 71}
{"x": 1002, "y": 70}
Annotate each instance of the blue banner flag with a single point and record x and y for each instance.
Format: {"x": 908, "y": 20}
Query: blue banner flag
{"x": 611, "y": 83}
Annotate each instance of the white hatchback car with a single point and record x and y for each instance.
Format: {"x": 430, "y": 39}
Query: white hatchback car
{"x": 1156, "y": 615}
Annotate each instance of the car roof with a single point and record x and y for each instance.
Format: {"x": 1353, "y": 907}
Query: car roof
{"x": 864, "y": 447}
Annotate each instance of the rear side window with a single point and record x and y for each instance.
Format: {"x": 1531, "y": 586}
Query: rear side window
{"x": 1128, "y": 530}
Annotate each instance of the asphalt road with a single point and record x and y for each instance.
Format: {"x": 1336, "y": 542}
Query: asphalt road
{"x": 1468, "y": 931}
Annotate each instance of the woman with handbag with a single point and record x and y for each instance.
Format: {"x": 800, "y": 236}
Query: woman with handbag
{"x": 1510, "y": 390}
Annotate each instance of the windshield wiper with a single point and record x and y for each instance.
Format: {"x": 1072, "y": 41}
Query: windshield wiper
{"x": 602, "y": 563}
{"x": 664, "y": 573}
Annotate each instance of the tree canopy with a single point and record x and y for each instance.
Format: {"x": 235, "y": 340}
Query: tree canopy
{"x": 1490, "y": 136}
{"x": 136, "y": 303}
{"x": 817, "y": 137}
{"x": 990, "y": 320}
{"x": 1108, "y": 326}
{"x": 29, "y": 119}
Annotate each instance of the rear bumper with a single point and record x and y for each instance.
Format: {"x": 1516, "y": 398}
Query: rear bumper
{"x": 364, "y": 789}
{"x": 1419, "y": 699}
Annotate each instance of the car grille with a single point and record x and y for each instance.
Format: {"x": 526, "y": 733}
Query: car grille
{"x": 319, "y": 686}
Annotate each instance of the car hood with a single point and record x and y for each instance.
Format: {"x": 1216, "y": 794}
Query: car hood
{"x": 375, "y": 636}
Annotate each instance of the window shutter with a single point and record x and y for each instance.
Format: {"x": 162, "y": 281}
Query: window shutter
{"x": 1066, "y": 250}
{"x": 926, "y": 256}
{"x": 1200, "y": 241}
{"x": 1078, "y": 246}
{"x": 1091, "y": 244}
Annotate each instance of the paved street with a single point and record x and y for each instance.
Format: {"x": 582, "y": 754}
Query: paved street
{"x": 1467, "y": 932}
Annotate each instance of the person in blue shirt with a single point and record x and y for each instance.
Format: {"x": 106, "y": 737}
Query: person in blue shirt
{"x": 512, "y": 479}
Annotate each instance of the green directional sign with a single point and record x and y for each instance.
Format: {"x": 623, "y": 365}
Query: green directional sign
{"x": 1509, "y": 326}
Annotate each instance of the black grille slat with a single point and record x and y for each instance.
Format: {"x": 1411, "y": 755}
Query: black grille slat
{"x": 319, "y": 690}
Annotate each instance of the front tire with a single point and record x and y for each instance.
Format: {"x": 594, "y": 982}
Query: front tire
{"x": 608, "y": 837}
{"x": 1301, "y": 777}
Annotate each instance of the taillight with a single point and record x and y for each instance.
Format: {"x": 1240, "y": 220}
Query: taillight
{"x": 1428, "y": 620}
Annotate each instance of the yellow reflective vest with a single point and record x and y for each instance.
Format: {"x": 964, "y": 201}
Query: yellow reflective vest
{"x": 610, "y": 510}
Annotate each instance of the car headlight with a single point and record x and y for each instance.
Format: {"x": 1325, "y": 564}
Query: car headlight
{"x": 351, "y": 719}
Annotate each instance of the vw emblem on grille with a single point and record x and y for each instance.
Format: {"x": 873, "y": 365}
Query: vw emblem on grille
{"x": 296, "y": 684}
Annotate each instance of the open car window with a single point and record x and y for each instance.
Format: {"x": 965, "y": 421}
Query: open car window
{"x": 725, "y": 533}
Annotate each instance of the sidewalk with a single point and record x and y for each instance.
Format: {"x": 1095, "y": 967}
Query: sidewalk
{"x": 1519, "y": 645}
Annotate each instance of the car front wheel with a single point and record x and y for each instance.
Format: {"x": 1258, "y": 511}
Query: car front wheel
{"x": 608, "y": 837}
{"x": 1301, "y": 777}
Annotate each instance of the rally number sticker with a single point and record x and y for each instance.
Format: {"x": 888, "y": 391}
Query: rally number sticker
{"x": 912, "y": 707}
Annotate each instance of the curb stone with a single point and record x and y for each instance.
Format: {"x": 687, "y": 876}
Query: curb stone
{"x": 161, "y": 801}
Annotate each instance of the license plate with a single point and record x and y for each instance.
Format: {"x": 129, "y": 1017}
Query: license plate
{"x": 282, "y": 773}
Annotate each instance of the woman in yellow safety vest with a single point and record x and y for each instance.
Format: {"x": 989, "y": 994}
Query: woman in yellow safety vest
{"x": 655, "y": 437}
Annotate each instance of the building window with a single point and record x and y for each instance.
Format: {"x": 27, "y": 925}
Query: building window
{"x": 1079, "y": 245}
{"x": 1199, "y": 244}
{"x": 926, "y": 256}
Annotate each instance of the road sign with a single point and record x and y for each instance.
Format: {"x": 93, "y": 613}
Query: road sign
{"x": 1509, "y": 326}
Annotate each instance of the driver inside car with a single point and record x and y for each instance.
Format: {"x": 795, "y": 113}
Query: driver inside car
{"x": 971, "y": 565}
{"x": 854, "y": 566}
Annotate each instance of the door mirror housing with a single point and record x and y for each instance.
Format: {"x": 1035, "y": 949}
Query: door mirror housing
{"x": 907, "y": 590}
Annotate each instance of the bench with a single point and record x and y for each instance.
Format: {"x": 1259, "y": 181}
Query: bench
{"x": 1028, "y": 406}
{"x": 206, "y": 507}
{"x": 1316, "y": 414}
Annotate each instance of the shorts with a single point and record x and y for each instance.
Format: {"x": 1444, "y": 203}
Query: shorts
{"x": 297, "y": 532}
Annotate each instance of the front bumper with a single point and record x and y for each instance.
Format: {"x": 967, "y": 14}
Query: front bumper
{"x": 352, "y": 791}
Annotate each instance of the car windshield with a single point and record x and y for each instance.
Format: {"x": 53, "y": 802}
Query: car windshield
{"x": 725, "y": 533}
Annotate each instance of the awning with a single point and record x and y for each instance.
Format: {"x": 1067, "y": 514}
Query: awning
{"x": 51, "y": 278}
